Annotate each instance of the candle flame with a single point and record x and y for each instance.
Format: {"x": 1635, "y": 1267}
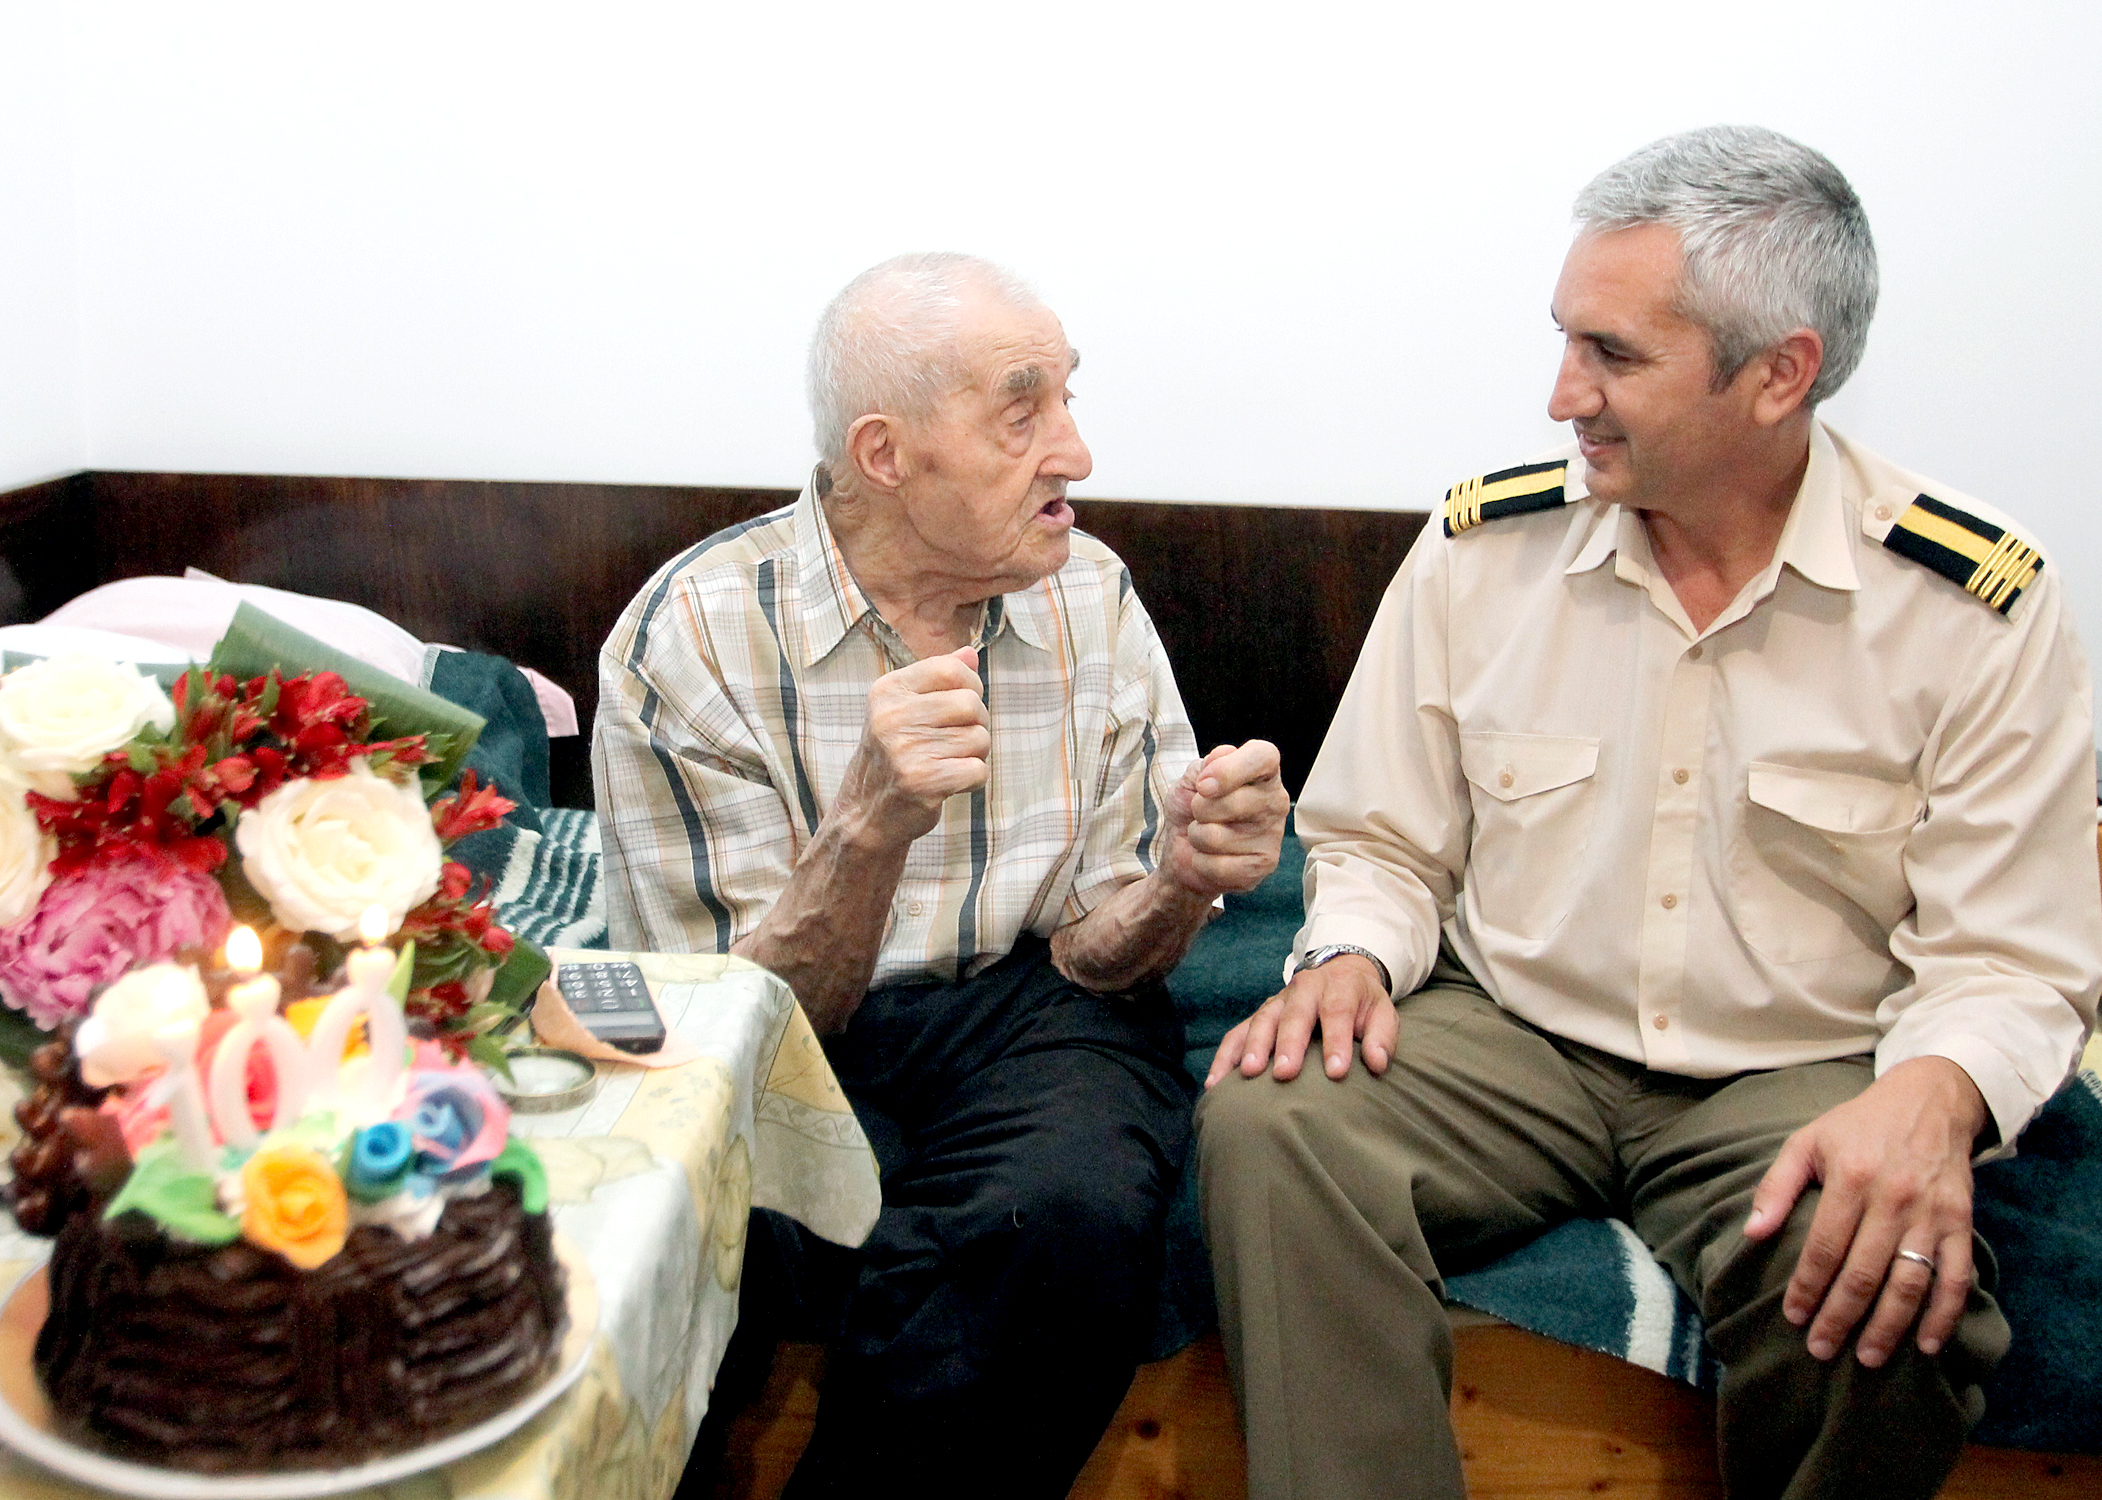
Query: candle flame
{"x": 372, "y": 927}
{"x": 244, "y": 950}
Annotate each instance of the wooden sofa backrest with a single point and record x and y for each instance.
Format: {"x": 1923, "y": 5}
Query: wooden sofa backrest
{"x": 1262, "y": 608}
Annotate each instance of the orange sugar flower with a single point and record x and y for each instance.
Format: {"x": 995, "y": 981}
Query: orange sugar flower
{"x": 296, "y": 1205}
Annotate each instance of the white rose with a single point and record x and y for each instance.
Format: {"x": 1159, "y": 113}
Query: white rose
{"x": 323, "y": 851}
{"x": 26, "y": 852}
{"x": 115, "y": 1043}
{"x": 61, "y": 715}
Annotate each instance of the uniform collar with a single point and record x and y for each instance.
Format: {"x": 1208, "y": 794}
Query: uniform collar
{"x": 1814, "y": 539}
{"x": 834, "y": 604}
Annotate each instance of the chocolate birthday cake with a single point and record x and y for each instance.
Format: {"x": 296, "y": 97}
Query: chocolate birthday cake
{"x": 338, "y": 1260}
{"x": 230, "y": 1358}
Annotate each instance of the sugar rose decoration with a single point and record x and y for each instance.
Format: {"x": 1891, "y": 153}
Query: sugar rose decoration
{"x": 295, "y": 1205}
{"x": 322, "y": 851}
{"x": 60, "y": 716}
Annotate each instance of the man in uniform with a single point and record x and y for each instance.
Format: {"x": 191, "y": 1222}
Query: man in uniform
{"x": 1745, "y": 777}
{"x": 912, "y": 744}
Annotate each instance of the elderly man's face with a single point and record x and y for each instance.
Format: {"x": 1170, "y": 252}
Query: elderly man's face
{"x": 984, "y": 482}
{"x": 1635, "y": 376}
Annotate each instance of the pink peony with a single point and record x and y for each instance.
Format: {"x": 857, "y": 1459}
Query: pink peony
{"x": 96, "y": 924}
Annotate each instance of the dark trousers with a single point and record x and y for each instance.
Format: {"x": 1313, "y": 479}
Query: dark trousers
{"x": 1030, "y": 1134}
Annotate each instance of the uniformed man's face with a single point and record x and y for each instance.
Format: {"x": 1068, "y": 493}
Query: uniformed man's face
{"x": 1637, "y": 377}
{"x": 987, "y": 473}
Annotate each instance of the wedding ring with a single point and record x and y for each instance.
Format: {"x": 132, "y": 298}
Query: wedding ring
{"x": 1914, "y": 1255}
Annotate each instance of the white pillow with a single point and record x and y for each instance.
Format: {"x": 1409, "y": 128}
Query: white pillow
{"x": 190, "y": 613}
{"x": 183, "y": 618}
{"x": 82, "y": 640}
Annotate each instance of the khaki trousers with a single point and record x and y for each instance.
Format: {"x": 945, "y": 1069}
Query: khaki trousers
{"x": 1331, "y": 1204}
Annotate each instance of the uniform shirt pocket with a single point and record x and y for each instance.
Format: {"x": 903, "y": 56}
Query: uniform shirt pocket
{"x": 1818, "y": 872}
{"x": 1534, "y": 800}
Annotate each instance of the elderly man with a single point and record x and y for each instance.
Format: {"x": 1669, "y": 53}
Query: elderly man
{"x": 1746, "y": 778}
{"x": 912, "y": 744}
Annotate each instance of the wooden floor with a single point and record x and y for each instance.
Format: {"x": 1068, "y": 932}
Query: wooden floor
{"x": 1536, "y": 1420}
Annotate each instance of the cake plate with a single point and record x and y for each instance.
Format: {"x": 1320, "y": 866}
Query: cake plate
{"x": 26, "y": 1421}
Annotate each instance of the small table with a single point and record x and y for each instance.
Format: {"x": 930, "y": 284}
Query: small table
{"x": 652, "y": 1180}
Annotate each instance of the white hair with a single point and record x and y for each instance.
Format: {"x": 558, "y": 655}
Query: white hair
{"x": 887, "y": 342}
{"x": 1772, "y": 236}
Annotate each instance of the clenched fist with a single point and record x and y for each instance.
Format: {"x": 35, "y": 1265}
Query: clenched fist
{"x": 1225, "y": 819}
{"x": 927, "y": 739}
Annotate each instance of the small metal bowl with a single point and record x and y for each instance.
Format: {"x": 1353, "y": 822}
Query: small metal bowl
{"x": 545, "y": 1080}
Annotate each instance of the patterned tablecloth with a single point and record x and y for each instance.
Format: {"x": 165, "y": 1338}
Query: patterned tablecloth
{"x": 651, "y": 1180}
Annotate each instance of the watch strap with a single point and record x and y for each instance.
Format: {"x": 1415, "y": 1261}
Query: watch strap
{"x": 1315, "y": 957}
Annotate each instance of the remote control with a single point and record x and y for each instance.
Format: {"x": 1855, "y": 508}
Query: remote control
{"x": 613, "y": 1002}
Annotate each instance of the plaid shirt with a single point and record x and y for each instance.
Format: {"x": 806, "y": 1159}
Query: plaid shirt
{"x": 732, "y": 696}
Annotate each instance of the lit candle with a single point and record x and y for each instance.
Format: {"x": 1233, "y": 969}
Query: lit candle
{"x": 254, "y": 1004}
{"x": 366, "y": 970}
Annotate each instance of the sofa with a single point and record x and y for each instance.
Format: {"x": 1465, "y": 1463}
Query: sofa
{"x": 1579, "y": 1368}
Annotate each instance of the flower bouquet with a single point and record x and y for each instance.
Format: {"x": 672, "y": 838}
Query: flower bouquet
{"x": 138, "y": 823}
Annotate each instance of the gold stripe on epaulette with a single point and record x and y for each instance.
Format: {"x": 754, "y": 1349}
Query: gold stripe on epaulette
{"x": 1941, "y": 537}
{"x": 1923, "y": 522}
{"x": 2008, "y": 569}
{"x": 1463, "y": 507}
{"x": 1465, "y": 502}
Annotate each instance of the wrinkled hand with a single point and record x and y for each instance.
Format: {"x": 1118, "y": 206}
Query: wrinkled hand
{"x": 1896, "y": 1167}
{"x": 1343, "y": 997}
{"x": 926, "y": 739}
{"x": 1225, "y": 819}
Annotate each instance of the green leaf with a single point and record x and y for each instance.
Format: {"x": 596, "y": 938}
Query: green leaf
{"x": 256, "y": 642}
{"x": 521, "y": 976}
{"x": 19, "y": 1036}
{"x": 182, "y": 1200}
{"x": 404, "y": 968}
{"x": 489, "y": 1052}
{"x": 520, "y": 1161}
{"x": 446, "y": 957}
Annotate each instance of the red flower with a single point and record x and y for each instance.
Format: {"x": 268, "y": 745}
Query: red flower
{"x": 472, "y": 809}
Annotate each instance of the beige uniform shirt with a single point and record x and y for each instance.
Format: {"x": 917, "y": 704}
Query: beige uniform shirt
{"x": 1855, "y": 814}
{"x": 732, "y": 697}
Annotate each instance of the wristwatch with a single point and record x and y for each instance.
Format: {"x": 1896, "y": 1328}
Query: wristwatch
{"x": 1316, "y": 957}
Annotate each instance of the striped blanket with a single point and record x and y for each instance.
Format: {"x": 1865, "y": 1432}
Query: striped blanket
{"x": 547, "y": 882}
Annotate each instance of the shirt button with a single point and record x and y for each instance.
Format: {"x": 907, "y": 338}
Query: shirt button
{"x": 1680, "y": 775}
{"x": 914, "y": 908}
{"x": 1504, "y": 777}
{"x": 1662, "y": 1023}
{"x": 1668, "y": 901}
{"x": 1694, "y": 654}
{"x": 1883, "y": 513}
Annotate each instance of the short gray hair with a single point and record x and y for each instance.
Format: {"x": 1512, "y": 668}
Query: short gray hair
{"x": 887, "y": 342}
{"x": 1773, "y": 239}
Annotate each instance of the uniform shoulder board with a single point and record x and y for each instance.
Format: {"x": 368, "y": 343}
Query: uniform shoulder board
{"x": 1975, "y": 554}
{"x": 1507, "y": 492}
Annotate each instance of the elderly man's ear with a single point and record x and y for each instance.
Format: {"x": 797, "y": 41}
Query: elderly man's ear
{"x": 872, "y": 454}
{"x": 1786, "y": 373}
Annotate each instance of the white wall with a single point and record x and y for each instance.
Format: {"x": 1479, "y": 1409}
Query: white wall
{"x": 40, "y": 414}
{"x": 1307, "y": 249}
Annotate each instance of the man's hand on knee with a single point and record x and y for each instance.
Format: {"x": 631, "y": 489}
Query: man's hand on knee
{"x": 1892, "y": 1228}
{"x": 1344, "y": 999}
